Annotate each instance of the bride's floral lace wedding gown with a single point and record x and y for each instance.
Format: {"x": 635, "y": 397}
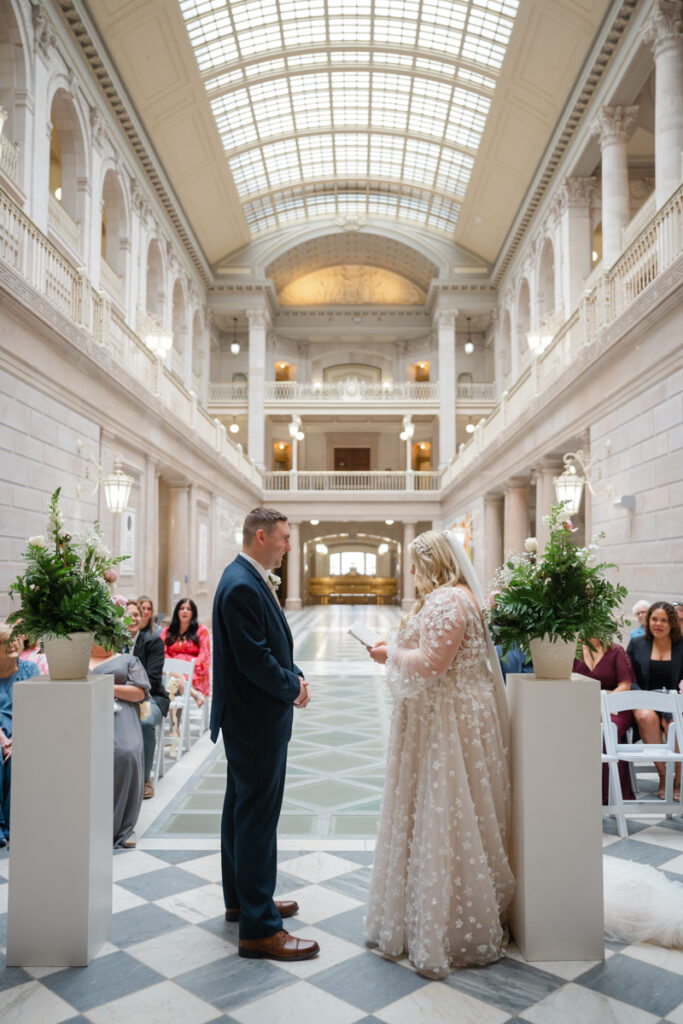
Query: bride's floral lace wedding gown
{"x": 441, "y": 880}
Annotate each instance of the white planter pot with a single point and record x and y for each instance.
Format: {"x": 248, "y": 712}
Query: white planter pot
{"x": 68, "y": 656}
{"x": 553, "y": 658}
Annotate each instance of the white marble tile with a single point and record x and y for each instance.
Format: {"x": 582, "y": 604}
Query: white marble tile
{"x": 317, "y": 903}
{"x": 135, "y": 862}
{"x": 123, "y": 899}
{"x": 158, "y": 1004}
{"x": 676, "y": 1015}
{"x": 105, "y": 949}
{"x": 658, "y": 956}
{"x": 41, "y": 972}
{"x": 575, "y": 1003}
{"x": 438, "y": 1004}
{"x": 567, "y": 969}
{"x": 176, "y": 952}
{"x": 662, "y": 837}
{"x": 196, "y": 905}
{"x": 205, "y": 867}
{"x": 328, "y": 844}
{"x": 608, "y": 840}
{"x": 4, "y": 894}
{"x": 319, "y": 866}
{"x": 32, "y": 1003}
{"x": 332, "y": 951}
{"x": 675, "y": 865}
{"x": 169, "y": 843}
{"x": 301, "y": 1002}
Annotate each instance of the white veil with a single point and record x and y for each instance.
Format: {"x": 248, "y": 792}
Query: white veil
{"x": 471, "y": 579}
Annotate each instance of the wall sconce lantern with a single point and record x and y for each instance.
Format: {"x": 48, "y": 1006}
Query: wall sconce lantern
{"x": 234, "y": 345}
{"x": 569, "y": 485}
{"x": 159, "y": 342}
{"x": 116, "y": 487}
{"x": 469, "y": 344}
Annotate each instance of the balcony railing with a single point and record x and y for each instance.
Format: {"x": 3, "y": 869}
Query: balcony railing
{"x": 639, "y": 222}
{"x": 111, "y": 281}
{"x": 477, "y": 391}
{"x": 63, "y": 224}
{"x": 321, "y": 481}
{"x": 38, "y": 262}
{"x": 225, "y": 393}
{"x": 658, "y": 245}
{"x": 9, "y": 159}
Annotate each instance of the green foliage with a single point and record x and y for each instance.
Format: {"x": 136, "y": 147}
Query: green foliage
{"x": 561, "y": 594}
{"x": 64, "y": 589}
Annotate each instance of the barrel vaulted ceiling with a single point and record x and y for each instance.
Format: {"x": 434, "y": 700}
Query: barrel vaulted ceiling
{"x": 266, "y": 113}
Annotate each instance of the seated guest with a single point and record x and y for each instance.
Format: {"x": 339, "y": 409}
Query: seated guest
{"x": 187, "y": 640}
{"x": 678, "y": 607}
{"x": 611, "y": 667}
{"x": 131, "y": 688}
{"x": 34, "y": 654}
{"x": 147, "y": 618}
{"x": 640, "y": 611}
{"x": 657, "y": 660}
{"x": 149, "y": 649}
{"x": 12, "y": 669}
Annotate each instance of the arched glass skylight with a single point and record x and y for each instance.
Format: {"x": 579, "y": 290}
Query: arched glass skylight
{"x": 350, "y": 108}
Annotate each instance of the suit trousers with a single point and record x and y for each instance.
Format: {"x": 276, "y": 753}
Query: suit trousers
{"x": 149, "y": 734}
{"x": 253, "y": 798}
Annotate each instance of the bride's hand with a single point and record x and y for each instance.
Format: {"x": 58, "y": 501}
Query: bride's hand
{"x": 378, "y": 653}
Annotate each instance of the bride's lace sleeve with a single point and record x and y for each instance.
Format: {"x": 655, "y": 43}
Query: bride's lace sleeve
{"x": 442, "y": 626}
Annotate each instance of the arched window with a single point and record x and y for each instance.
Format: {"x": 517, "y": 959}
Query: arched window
{"x": 523, "y": 319}
{"x": 198, "y": 353}
{"x": 179, "y": 330}
{"x": 546, "y": 281}
{"x": 68, "y": 172}
{"x": 13, "y": 83}
{"x": 114, "y": 237}
{"x": 155, "y": 281}
{"x": 506, "y": 344}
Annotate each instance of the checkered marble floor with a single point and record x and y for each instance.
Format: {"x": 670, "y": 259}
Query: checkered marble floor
{"x": 172, "y": 958}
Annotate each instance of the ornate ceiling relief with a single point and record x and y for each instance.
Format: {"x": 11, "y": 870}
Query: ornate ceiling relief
{"x": 352, "y": 285}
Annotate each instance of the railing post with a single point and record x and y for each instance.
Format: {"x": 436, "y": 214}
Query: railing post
{"x": 410, "y": 480}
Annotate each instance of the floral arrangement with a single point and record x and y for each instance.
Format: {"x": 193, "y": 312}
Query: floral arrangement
{"x": 64, "y": 588}
{"x": 561, "y": 594}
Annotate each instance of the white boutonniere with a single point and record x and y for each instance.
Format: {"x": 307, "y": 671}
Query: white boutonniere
{"x": 274, "y": 581}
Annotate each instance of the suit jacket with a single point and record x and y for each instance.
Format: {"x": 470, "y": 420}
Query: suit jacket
{"x": 150, "y": 650}
{"x": 255, "y": 680}
{"x": 640, "y": 653}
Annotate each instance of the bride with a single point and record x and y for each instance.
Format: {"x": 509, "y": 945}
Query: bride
{"x": 441, "y": 880}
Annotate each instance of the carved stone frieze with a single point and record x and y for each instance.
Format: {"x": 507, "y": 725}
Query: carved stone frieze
{"x": 43, "y": 34}
{"x": 99, "y": 129}
{"x": 445, "y": 319}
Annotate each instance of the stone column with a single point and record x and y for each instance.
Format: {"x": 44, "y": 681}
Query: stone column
{"x": 493, "y": 535}
{"x": 576, "y": 238}
{"x": 445, "y": 326}
{"x": 663, "y": 33}
{"x": 612, "y": 126}
{"x": 179, "y": 540}
{"x": 150, "y": 558}
{"x": 407, "y": 562}
{"x": 545, "y": 498}
{"x": 293, "y": 602}
{"x": 516, "y": 515}
{"x": 258, "y": 327}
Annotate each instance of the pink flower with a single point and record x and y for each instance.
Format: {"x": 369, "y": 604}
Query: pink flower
{"x": 110, "y": 576}
{"x": 120, "y": 600}
{"x": 492, "y": 598}
{"x": 569, "y": 526}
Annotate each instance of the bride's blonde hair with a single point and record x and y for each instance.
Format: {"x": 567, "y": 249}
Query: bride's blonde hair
{"x": 435, "y": 564}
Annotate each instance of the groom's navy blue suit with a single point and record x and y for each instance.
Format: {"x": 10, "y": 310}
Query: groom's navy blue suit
{"x": 255, "y": 683}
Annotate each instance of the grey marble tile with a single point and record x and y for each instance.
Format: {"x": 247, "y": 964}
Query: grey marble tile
{"x": 140, "y": 923}
{"x": 177, "y": 856}
{"x": 355, "y": 884}
{"x": 233, "y": 981}
{"x": 286, "y": 882}
{"x": 364, "y": 857}
{"x": 350, "y": 925}
{"x": 368, "y": 981}
{"x": 610, "y": 827}
{"x": 509, "y": 984}
{"x": 643, "y": 853}
{"x": 625, "y": 978}
{"x": 105, "y": 979}
{"x": 3, "y": 929}
{"x": 154, "y": 885}
{"x": 11, "y": 976}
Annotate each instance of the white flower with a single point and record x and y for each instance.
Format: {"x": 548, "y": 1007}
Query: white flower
{"x": 531, "y": 545}
{"x": 274, "y": 580}
{"x": 37, "y": 542}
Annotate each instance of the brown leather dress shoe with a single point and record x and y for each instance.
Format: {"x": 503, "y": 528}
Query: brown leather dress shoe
{"x": 285, "y": 908}
{"x": 281, "y": 946}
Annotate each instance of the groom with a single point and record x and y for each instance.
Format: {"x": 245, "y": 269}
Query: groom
{"x": 255, "y": 687}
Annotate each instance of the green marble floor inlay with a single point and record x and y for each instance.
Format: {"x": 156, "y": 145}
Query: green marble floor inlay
{"x": 335, "y": 774}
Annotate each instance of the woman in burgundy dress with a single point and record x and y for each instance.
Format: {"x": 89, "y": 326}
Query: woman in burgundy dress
{"x": 612, "y": 668}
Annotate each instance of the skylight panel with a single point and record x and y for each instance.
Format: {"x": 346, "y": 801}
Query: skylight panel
{"x": 386, "y": 156}
{"x": 395, "y": 31}
{"x": 402, "y": 59}
{"x": 317, "y": 155}
{"x": 249, "y": 171}
{"x": 264, "y": 67}
{"x": 351, "y": 202}
{"x": 282, "y": 160}
{"x": 351, "y": 155}
{"x": 349, "y": 29}
{"x": 435, "y": 66}
{"x": 297, "y": 60}
{"x": 321, "y": 203}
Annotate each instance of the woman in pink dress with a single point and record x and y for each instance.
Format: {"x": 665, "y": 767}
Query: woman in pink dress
{"x": 612, "y": 668}
{"x": 187, "y": 640}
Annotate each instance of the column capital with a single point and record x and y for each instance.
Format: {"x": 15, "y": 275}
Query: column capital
{"x": 614, "y": 124}
{"x": 445, "y": 318}
{"x": 516, "y": 483}
{"x": 258, "y": 317}
{"x": 577, "y": 191}
{"x": 665, "y": 25}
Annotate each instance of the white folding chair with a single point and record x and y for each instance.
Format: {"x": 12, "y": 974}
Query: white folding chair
{"x": 181, "y": 703}
{"x": 158, "y": 766}
{"x": 665, "y": 702}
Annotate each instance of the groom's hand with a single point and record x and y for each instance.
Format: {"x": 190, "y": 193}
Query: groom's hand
{"x": 304, "y": 696}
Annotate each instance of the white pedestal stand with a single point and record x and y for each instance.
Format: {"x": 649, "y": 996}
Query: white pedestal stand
{"x": 60, "y": 886}
{"x": 556, "y": 841}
